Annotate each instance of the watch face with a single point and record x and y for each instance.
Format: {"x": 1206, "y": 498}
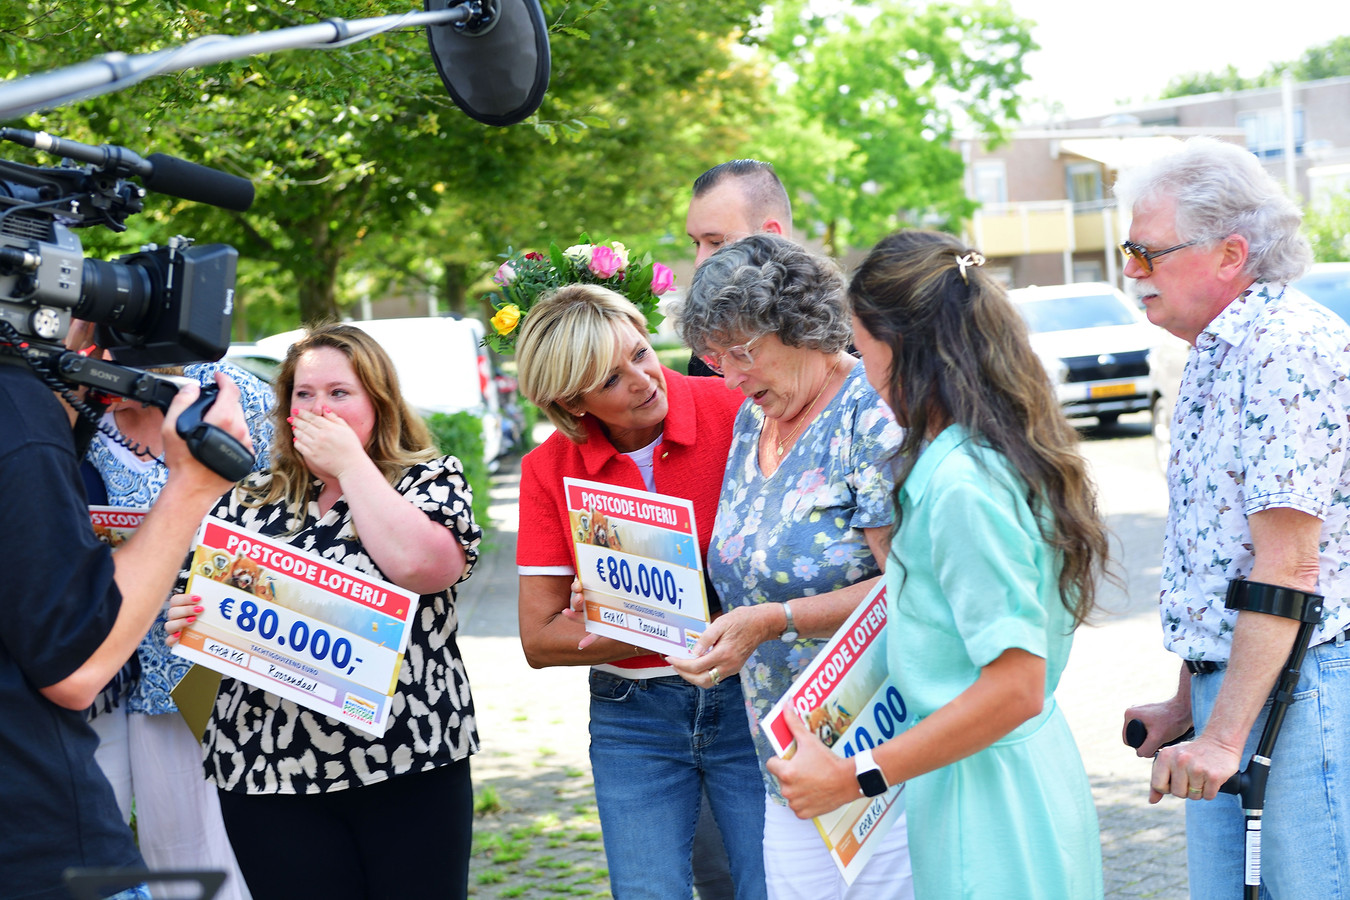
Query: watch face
{"x": 872, "y": 782}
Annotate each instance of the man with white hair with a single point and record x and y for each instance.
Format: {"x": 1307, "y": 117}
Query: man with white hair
{"x": 1259, "y": 507}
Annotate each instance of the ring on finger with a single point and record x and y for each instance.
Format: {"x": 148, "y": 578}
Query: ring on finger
{"x": 1195, "y": 790}
{"x": 714, "y": 675}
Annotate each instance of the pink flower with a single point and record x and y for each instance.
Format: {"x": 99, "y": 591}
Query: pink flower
{"x": 532, "y": 255}
{"x": 604, "y": 263}
{"x": 662, "y": 279}
{"x": 505, "y": 274}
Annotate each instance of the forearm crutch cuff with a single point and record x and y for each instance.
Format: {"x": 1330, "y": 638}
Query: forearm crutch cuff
{"x": 1274, "y": 600}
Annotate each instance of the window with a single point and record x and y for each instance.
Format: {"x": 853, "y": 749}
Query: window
{"x": 1265, "y": 131}
{"x": 1084, "y": 182}
{"x": 990, "y": 179}
{"x": 1087, "y": 270}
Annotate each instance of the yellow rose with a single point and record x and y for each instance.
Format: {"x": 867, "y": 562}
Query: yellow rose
{"x": 506, "y": 319}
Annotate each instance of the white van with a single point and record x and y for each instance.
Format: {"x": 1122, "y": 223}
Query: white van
{"x": 441, "y": 363}
{"x": 1094, "y": 343}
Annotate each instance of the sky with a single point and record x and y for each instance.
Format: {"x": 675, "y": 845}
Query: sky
{"x": 1097, "y": 52}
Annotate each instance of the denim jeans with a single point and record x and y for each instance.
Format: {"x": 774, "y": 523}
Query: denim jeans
{"x": 1305, "y": 831}
{"x": 656, "y": 744}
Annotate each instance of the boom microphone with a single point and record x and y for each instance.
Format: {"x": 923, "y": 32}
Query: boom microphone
{"x": 496, "y": 64}
{"x": 161, "y": 173}
{"x": 201, "y": 184}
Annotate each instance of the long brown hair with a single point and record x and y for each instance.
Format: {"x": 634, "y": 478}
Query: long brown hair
{"x": 399, "y": 439}
{"x": 961, "y": 354}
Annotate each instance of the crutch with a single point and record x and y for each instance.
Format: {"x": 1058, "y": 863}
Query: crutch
{"x": 1250, "y": 783}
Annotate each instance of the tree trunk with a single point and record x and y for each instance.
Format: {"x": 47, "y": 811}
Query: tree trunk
{"x": 456, "y": 295}
{"x": 317, "y": 286}
{"x": 830, "y": 237}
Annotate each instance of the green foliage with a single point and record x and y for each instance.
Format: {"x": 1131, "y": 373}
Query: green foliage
{"x": 1327, "y": 225}
{"x": 369, "y": 180}
{"x": 1329, "y": 60}
{"x": 865, "y": 124}
{"x": 486, "y": 800}
{"x": 525, "y": 277}
{"x": 461, "y": 435}
{"x": 1192, "y": 83}
{"x": 532, "y": 416}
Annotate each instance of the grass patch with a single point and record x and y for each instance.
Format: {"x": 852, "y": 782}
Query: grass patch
{"x": 487, "y": 801}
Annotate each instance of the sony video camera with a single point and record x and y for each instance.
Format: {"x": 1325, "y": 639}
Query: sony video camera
{"x": 161, "y": 306}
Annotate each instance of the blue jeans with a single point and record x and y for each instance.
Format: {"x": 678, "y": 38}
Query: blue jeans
{"x": 1305, "y": 831}
{"x": 656, "y": 745}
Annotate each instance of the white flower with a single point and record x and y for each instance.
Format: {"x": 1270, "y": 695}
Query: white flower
{"x": 580, "y": 253}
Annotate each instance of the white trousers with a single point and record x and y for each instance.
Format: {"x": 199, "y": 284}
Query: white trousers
{"x": 157, "y": 761}
{"x": 797, "y": 863}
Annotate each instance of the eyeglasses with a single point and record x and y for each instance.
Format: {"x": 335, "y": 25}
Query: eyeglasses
{"x": 1144, "y": 256}
{"x": 739, "y": 354}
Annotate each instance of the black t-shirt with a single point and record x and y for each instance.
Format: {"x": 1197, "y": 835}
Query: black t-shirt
{"x": 58, "y": 604}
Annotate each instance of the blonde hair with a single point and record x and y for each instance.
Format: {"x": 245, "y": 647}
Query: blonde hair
{"x": 400, "y": 438}
{"x": 566, "y": 349}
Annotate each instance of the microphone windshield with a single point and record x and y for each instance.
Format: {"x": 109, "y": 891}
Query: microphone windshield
{"x": 497, "y": 75}
{"x": 189, "y": 181}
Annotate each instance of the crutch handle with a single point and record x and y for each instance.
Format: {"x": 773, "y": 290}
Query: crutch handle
{"x": 1136, "y": 732}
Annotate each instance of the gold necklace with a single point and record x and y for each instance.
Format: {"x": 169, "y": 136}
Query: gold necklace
{"x": 801, "y": 419}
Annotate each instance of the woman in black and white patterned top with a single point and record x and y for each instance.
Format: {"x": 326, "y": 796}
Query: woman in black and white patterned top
{"x": 314, "y": 807}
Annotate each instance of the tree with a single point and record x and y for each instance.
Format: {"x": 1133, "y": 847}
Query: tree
{"x": 365, "y": 171}
{"x": 1327, "y": 225}
{"x": 869, "y": 101}
{"x": 1329, "y": 60}
{"x": 1192, "y": 83}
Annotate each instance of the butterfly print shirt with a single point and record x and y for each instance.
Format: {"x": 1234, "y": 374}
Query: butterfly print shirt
{"x": 1261, "y": 421}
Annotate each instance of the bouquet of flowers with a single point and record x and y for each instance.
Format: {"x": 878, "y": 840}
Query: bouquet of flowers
{"x": 524, "y": 277}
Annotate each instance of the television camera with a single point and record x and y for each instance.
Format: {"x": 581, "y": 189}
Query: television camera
{"x": 160, "y": 306}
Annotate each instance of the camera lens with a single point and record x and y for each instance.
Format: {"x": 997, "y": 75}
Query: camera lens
{"x": 115, "y": 294}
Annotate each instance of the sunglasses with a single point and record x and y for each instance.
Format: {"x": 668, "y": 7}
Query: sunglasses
{"x": 1144, "y": 256}
{"x": 739, "y": 354}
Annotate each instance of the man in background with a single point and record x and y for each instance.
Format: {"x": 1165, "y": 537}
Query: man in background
{"x": 735, "y": 199}
{"x": 732, "y": 200}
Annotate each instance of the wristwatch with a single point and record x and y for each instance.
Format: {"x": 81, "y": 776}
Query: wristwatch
{"x": 790, "y": 629}
{"x": 870, "y": 780}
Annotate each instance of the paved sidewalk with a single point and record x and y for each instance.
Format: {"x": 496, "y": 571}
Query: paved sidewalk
{"x": 537, "y": 834}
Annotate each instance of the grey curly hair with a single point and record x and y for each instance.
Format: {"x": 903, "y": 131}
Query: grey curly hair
{"x": 1221, "y": 189}
{"x": 763, "y": 284}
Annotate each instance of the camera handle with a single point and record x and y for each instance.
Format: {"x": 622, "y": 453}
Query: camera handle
{"x": 1250, "y": 783}
{"x": 213, "y": 447}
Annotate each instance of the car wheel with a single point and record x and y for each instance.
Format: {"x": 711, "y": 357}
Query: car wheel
{"x": 1106, "y": 420}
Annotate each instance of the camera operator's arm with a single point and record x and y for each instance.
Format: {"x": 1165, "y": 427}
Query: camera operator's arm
{"x": 147, "y": 564}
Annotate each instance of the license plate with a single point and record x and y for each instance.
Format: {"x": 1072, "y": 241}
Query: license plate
{"x": 1123, "y": 389}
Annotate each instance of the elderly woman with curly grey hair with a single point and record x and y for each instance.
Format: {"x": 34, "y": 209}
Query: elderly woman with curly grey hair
{"x": 804, "y": 516}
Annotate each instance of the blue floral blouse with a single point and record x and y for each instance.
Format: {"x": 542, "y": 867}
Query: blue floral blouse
{"x": 798, "y": 532}
{"x": 134, "y": 482}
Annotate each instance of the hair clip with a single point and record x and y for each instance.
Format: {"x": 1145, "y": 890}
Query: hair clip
{"x": 973, "y": 258}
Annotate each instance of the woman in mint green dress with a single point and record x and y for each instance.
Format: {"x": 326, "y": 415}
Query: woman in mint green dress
{"x": 997, "y": 550}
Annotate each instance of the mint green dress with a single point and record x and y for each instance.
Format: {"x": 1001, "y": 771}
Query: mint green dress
{"x": 971, "y": 577}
